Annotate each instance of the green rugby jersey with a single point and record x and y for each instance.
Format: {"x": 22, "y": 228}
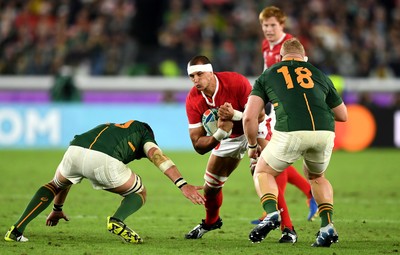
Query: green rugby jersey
{"x": 301, "y": 94}
{"x": 121, "y": 141}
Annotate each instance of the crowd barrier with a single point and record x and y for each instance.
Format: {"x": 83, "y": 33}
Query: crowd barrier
{"x": 28, "y": 118}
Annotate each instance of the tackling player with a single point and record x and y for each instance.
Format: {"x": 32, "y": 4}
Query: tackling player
{"x": 101, "y": 155}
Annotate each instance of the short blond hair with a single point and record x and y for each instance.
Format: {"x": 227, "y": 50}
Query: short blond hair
{"x": 292, "y": 46}
{"x": 272, "y": 11}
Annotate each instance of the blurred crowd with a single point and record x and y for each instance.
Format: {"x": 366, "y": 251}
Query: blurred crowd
{"x": 352, "y": 38}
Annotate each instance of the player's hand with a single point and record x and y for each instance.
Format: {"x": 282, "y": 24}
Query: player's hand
{"x": 54, "y": 217}
{"x": 253, "y": 163}
{"x": 191, "y": 193}
{"x": 225, "y": 112}
{"x": 225, "y": 125}
{"x": 254, "y": 153}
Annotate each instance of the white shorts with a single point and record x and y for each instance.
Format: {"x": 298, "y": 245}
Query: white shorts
{"x": 286, "y": 147}
{"x": 264, "y": 129}
{"x": 237, "y": 147}
{"x": 102, "y": 170}
{"x": 231, "y": 147}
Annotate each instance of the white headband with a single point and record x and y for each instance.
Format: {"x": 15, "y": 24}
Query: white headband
{"x": 199, "y": 68}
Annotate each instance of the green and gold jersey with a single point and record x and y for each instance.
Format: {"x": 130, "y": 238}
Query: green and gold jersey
{"x": 301, "y": 94}
{"x": 121, "y": 141}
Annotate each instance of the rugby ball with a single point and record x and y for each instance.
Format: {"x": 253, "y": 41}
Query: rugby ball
{"x": 210, "y": 121}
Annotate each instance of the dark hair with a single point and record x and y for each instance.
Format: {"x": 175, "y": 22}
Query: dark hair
{"x": 199, "y": 60}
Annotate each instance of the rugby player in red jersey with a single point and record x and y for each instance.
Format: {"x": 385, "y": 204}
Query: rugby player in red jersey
{"x": 228, "y": 92}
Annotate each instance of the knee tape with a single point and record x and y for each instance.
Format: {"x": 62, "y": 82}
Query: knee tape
{"x": 60, "y": 184}
{"x": 214, "y": 181}
{"x": 136, "y": 187}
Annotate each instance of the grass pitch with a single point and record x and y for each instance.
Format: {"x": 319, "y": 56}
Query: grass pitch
{"x": 367, "y": 204}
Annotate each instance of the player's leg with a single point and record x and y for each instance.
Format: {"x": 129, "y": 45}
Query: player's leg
{"x": 295, "y": 178}
{"x": 267, "y": 190}
{"x": 40, "y": 201}
{"x": 264, "y": 135}
{"x": 288, "y": 233}
{"x": 134, "y": 197}
{"x": 323, "y": 194}
{"x": 222, "y": 162}
{"x": 315, "y": 163}
{"x": 217, "y": 173}
{"x": 281, "y": 181}
{"x": 268, "y": 167}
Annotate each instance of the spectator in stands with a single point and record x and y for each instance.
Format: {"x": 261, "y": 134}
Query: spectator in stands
{"x": 108, "y": 38}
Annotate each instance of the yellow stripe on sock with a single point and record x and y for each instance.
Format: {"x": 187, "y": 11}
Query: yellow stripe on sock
{"x": 51, "y": 188}
{"x": 29, "y": 214}
{"x": 325, "y": 207}
{"x": 268, "y": 196}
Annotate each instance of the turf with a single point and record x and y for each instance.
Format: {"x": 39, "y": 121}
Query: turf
{"x": 367, "y": 204}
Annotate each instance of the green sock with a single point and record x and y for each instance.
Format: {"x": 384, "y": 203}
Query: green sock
{"x": 269, "y": 203}
{"x": 40, "y": 201}
{"x": 325, "y": 213}
{"x": 130, "y": 204}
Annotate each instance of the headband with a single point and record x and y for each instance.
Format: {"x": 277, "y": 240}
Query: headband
{"x": 199, "y": 68}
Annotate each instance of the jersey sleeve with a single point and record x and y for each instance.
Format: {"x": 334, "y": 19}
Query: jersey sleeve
{"x": 192, "y": 112}
{"x": 244, "y": 92}
{"x": 332, "y": 99}
{"x": 258, "y": 89}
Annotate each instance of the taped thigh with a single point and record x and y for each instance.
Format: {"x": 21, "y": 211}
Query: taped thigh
{"x": 318, "y": 157}
{"x": 214, "y": 181}
{"x": 316, "y": 168}
{"x": 275, "y": 163}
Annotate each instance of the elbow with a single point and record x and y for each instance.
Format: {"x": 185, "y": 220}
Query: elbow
{"x": 341, "y": 117}
{"x": 340, "y": 113}
{"x": 246, "y": 119}
{"x": 200, "y": 150}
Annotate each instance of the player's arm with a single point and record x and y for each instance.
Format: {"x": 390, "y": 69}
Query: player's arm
{"x": 226, "y": 112}
{"x": 203, "y": 143}
{"x": 340, "y": 112}
{"x": 251, "y": 117}
{"x": 57, "y": 213}
{"x": 200, "y": 141}
{"x": 59, "y": 199}
{"x": 168, "y": 167}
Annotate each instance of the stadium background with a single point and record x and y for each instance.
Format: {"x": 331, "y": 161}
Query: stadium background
{"x": 68, "y": 65}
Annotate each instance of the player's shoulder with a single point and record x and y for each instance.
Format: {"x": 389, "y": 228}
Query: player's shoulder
{"x": 232, "y": 78}
{"x": 194, "y": 96}
{"x": 288, "y": 36}
{"x": 229, "y": 75}
{"x": 226, "y": 73}
{"x": 193, "y": 92}
{"x": 265, "y": 44}
{"x": 313, "y": 68}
